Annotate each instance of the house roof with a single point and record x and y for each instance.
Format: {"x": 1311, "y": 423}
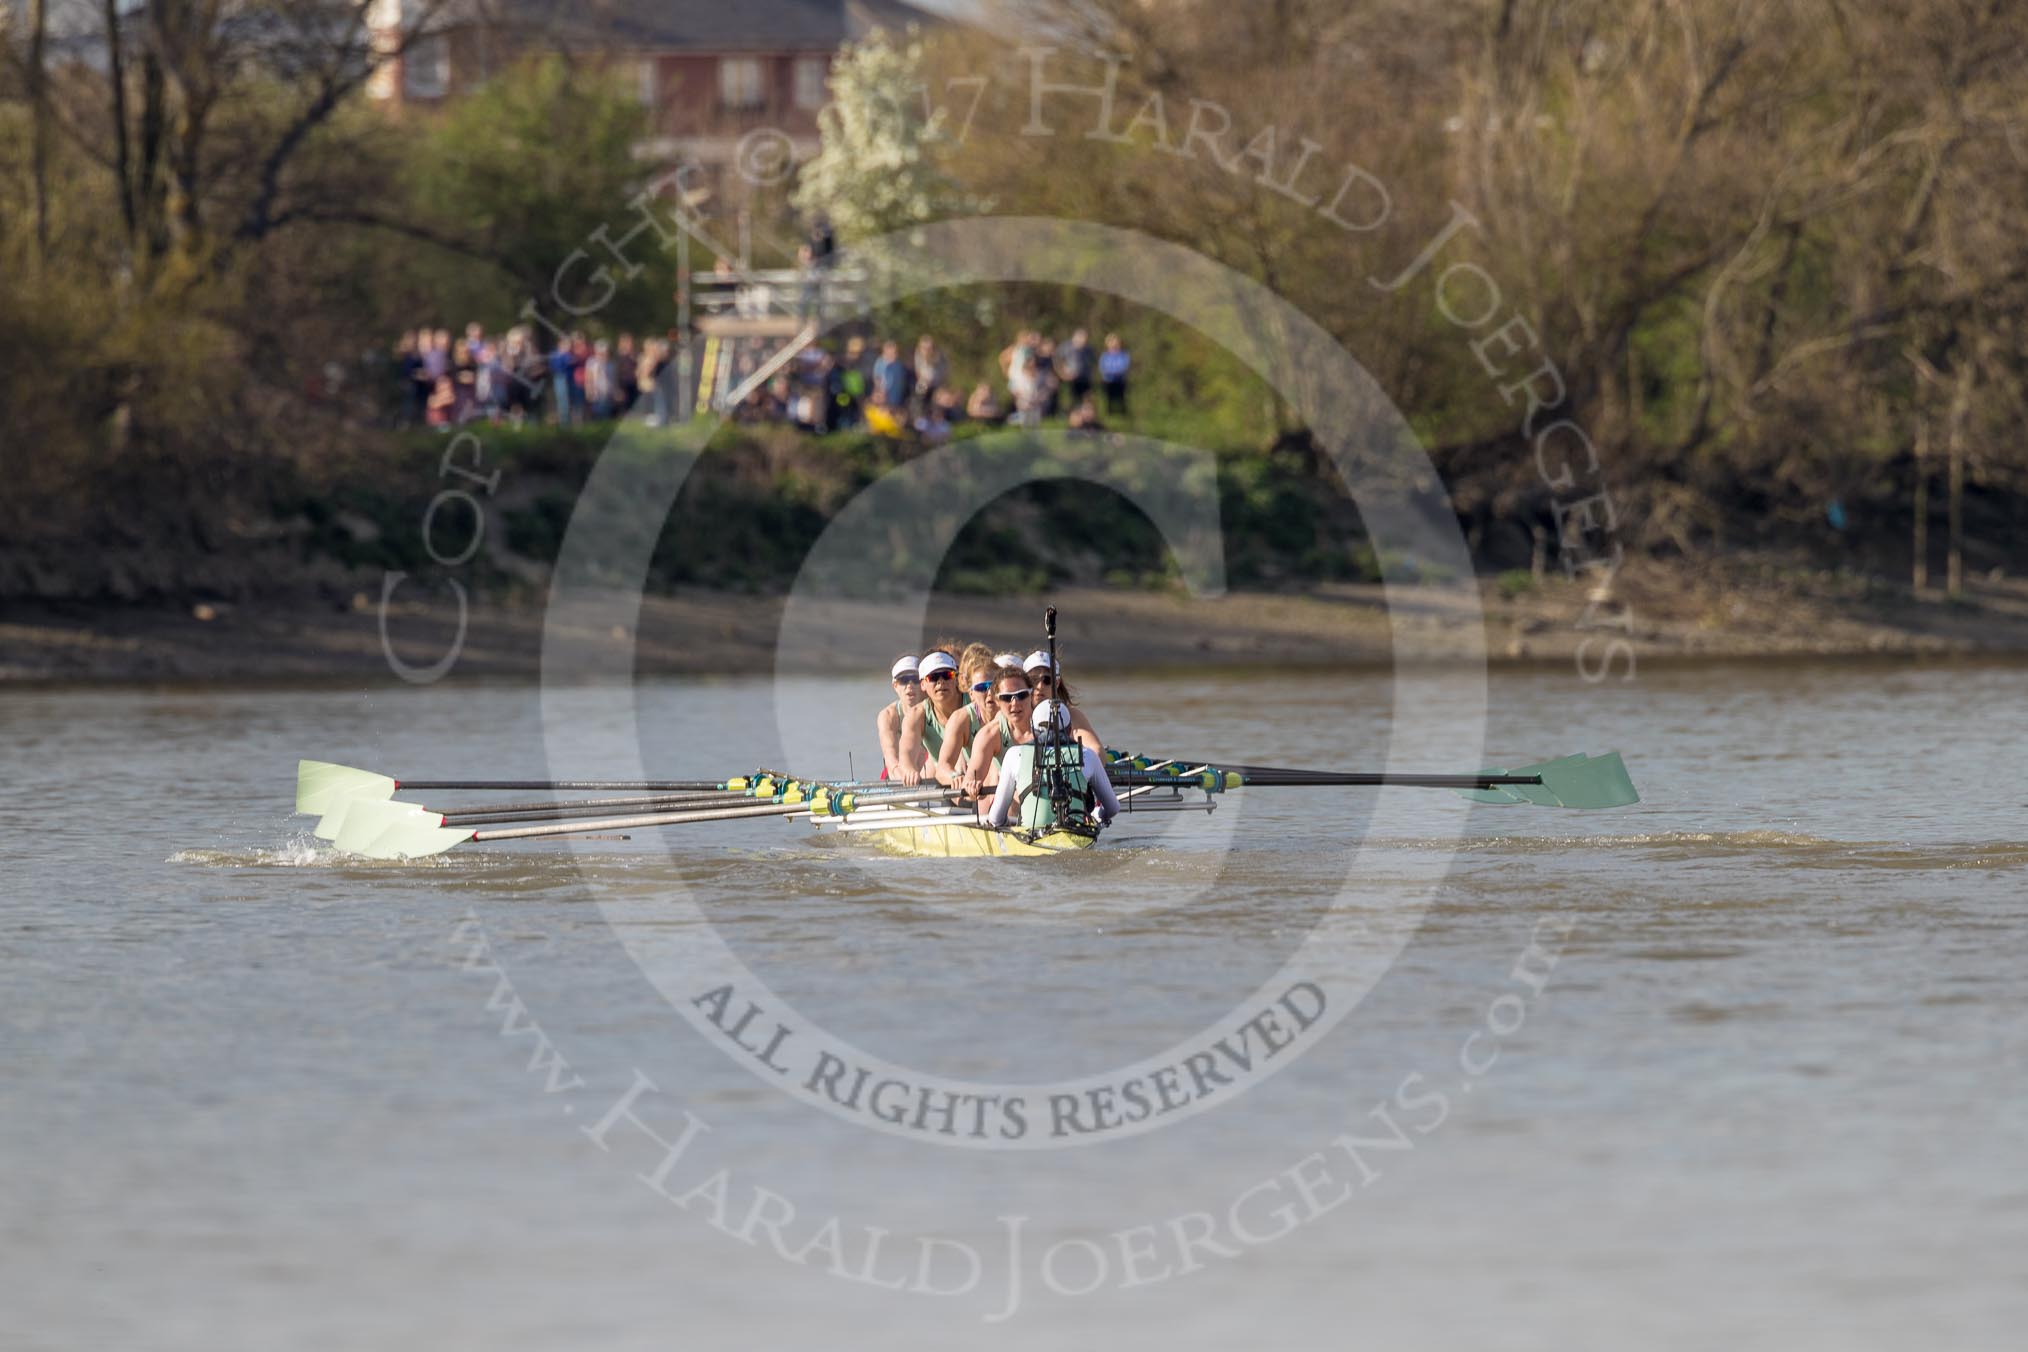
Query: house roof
{"x": 738, "y": 25}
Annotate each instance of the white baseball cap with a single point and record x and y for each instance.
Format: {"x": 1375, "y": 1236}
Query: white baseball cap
{"x": 903, "y": 666}
{"x": 938, "y": 661}
{"x": 1052, "y": 711}
{"x": 1038, "y": 658}
{"x": 1010, "y": 660}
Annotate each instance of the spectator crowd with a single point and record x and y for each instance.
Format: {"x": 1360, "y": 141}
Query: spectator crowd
{"x": 915, "y": 396}
{"x": 447, "y": 381}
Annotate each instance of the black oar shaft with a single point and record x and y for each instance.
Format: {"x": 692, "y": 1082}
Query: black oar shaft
{"x": 1388, "y": 781}
{"x": 682, "y": 818}
{"x": 1327, "y": 779}
{"x": 554, "y": 785}
{"x": 580, "y": 807}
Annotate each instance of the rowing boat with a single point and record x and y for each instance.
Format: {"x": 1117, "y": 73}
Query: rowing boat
{"x": 358, "y": 813}
{"x": 949, "y": 833}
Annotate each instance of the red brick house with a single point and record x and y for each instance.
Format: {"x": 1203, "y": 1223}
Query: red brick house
{"x": 712, "y": 70}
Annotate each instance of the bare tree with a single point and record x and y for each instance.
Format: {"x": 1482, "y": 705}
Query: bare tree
{"x": 38, "y": 97}
{"x": 116, "y": 85}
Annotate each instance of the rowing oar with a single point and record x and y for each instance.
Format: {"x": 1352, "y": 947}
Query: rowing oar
{"x": 1570, "y": 781}
{"x": 587, "y": 807}
{"x": 389, "y": 830}
{"x": 326, "y": 791}
{"x": 1236, "y": 778}
{"x": 320, "y": 785}
{"x": 763, "y": 790}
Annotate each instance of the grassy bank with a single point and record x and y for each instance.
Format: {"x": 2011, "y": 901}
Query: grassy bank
{"x": 747, "y": 516}
{"x": 330, "y": 517}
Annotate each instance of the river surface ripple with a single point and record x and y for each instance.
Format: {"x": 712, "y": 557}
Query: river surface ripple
{"x": 1770, "y": 1094}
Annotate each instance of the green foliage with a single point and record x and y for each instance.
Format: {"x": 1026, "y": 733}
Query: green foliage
{"x": 879, "y": 168}
{"x": 1670, "y": 364}
{"x": 112, "y": 424}
{"x": 1753, "y": 305}
{"x": 527, "y": 167}
{"x": 1515, "y": 583}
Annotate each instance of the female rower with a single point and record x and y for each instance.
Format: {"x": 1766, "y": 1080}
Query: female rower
{"x": 1020, "y": 792}
{"x": 1043, "y": 680}
{"x": 982, "y": 767}
{"x": 907, "y": 694}
{"x": 977, "y": 665}
{"x": 923, "y": 727}
{"x": 979, "y": 668}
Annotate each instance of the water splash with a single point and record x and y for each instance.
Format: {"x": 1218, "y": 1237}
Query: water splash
{"x": 299, "y": 852}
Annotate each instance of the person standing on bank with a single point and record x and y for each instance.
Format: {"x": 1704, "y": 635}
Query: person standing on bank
{"x": 1113, "y": 365}
{"x": 1074, "y": 364}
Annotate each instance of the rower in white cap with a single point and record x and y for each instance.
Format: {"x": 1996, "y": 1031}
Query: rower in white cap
{"x": 922, "y": 728}
{"x": 1048, "y": 683}
{"x": 1022, "y": 792}
{"x": 978, "y": 669}
{"x": 907, "y": 694}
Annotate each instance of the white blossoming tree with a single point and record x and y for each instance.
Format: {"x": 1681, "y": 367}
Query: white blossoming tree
{"x": 878, "y": 167}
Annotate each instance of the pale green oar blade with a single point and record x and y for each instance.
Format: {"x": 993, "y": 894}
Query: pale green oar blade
{"x": 365, "y": 822}
{"x": 1543, "y": 794}
{"x": 1601, "y": 781}
{"x": 331, "y": 823}
{"x": 1568, "y": 781}
{"x": 396, "y": 831}
{"x": 419, "y": 840}
{"x": 322, "y": 786}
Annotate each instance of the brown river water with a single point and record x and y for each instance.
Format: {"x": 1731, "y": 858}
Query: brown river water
{"x": 1739, "y": 1067}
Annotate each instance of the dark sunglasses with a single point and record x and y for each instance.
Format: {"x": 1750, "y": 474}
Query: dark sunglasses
{"x": 941, "y": 676}
{"x": 982, "y": 686}
{"x": 1044, "y": 678}
{"x": 1015, "y": 696}
{"x": 907, "y": 680}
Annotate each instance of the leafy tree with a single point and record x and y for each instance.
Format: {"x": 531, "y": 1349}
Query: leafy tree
{"x": 880, "y": 167}
{"x": 522, "y": 173}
